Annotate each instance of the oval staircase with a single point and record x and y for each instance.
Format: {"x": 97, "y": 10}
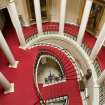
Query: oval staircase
{"x": 70, "y": 87}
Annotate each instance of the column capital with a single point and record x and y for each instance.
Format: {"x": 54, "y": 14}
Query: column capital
{"x": 4, "y": 3}
{"x": 90, "y": 0}
{"x": 10, "y": 1}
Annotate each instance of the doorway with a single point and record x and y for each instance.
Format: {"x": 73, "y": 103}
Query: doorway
{"x": 95, "y": 17}
{"x": 44, "y": 10}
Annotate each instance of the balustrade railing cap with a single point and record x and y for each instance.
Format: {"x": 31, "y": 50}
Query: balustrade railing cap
{"x": 4, "y": 3}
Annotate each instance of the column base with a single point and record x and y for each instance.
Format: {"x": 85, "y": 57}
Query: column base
{"x": 11, "y": 90}
{"x": 60, "y": 33}
{"x": 40, "y": 35}
{"x": 96, "y": 85}
{"x": 23, "y": 47}
{"x": 15, "y": 65}
{"x": 92, "y": 60}
{"x": 86, "y": 93}
{"x": 26, "y": 23}
{"x": 30, "y": 47}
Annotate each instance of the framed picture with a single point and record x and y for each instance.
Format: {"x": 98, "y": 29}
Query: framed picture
{"x": 95, "y": 17}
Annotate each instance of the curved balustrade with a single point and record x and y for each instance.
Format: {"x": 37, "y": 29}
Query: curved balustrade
{"x": 97, "y": 68}
{"x": 85, "y": 48}
{"x": 69, "y": 42}
{"x": 52, "y": 52}
{"x": 50, "y": 55}
{"x": 102, "y": 95}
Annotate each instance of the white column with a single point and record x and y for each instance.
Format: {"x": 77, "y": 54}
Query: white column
{"x": 101, "y": 78}
{"x": 84, "y": 20}
{"x": 7, "y": 51}
{"x": 4, "y": 82}
{"x": 98, "y": 44}
{"x": 15, "y": 20}
{"x": 38, "y": 16}
{"x": 8, "y": 87}
{"x": 62, "y": 16}
{"x": 23, "y": 11}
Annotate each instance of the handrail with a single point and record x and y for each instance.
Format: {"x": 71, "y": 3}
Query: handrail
{"x": 95, "y": 76}
{"x": 46, "y": 39}
{"x": 35, "y": 79}
{"x": 39, "y": 94}
{"x": 68, "y": 55}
